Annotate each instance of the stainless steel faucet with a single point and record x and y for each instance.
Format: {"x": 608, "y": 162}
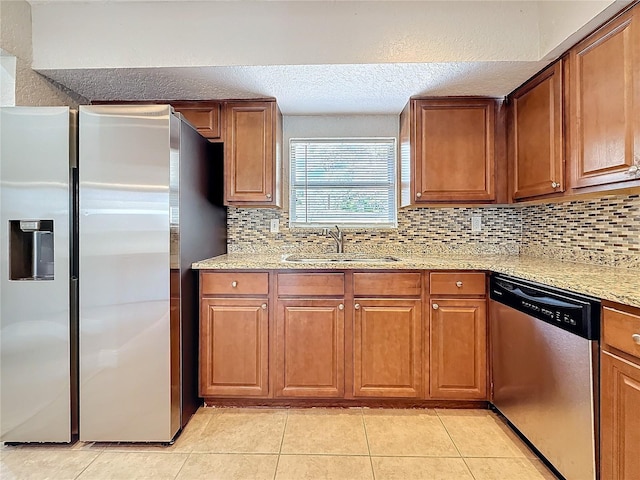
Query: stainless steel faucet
{"x": 338, "y": 237}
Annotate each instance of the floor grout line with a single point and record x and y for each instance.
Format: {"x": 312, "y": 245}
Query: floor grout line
{"x": 468, "y": 468}
{"x": 182, "y": 466}
{"x": 366, "y": 437}
{"x": 88, "y": 465}
{"x": 284, "y": 431}
{"x": 449, "y": 434}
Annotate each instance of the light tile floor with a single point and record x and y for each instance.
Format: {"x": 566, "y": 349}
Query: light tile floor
{"x": 296, "y": 444}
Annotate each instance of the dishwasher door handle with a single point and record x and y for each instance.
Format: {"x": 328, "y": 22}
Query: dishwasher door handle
{"x": 518, "y": 292}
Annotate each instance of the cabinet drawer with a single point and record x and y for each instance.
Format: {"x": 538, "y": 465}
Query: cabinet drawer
{"x": 457, "y": 283}
{"x": 311, "y": 284}
{"x": 229, "y": 283}
{"x": 387, "y": 284}
{"x": 621, "y": 330}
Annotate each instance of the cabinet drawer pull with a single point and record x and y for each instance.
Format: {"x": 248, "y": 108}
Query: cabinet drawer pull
{"x": 341, "y": 306}
{"x": 268, "y": 195}
{"x": 418, "y": 194}
{"x": 636, "y": 338}
{"x": 357, "y": 306}
{"x": 435, "y": 306}
{"x": 555, "y": 184}
{"x": 234, "y": 284}
{"x": 459, "y": 284}
{"x": 263, "y": 306}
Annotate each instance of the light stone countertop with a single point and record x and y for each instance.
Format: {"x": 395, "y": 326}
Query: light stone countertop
{"x": 608, "y": 283}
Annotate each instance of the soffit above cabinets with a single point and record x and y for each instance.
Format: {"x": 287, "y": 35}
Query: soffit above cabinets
{"x": 315, "y": 57}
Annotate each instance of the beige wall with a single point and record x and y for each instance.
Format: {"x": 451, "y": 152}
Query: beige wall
{"x": 31, "y": 88}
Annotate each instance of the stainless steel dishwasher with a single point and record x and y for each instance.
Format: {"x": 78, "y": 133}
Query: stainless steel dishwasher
{"x": 544, "y": 349}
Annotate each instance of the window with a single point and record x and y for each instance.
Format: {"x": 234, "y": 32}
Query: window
{"x": 343, "y": 181}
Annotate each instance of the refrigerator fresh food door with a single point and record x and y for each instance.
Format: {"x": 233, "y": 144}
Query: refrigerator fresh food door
{"x": 35, "y": 348}
{"x": 125, "y": 338}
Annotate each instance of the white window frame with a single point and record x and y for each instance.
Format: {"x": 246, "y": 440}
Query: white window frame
{"x": 393, "y": 224}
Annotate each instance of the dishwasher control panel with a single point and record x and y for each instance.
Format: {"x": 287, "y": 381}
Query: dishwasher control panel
{"x": 570, "y": 311}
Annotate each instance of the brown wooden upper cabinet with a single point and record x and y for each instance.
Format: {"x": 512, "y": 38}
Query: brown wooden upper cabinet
{"x": 604, "y": 104}
{"x": 448, "y": 150}
{"x": 204, "y": 115}
{"x": 536, "y": 141}
{"x": 252, "y": 153}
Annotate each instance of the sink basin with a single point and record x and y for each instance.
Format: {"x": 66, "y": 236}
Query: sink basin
{"x": 339, "y": 258}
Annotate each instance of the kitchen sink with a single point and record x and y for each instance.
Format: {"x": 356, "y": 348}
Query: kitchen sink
{"x": 340, "y": 258}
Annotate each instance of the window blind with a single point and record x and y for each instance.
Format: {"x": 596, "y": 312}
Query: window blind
{"x": 343, "y": 181}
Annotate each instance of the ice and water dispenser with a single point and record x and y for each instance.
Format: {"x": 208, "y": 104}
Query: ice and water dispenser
{"x": 31, "y": 247}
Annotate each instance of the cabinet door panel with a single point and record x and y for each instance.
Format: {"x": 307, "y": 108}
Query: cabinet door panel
{"x": 387, "y": 348}
{"x": 458, "y": 349}
{"x": 234, "y": 347}
{"x": 620, "y": 421}
{"x": 537, "y": 143}
{"x": 455, "y": 150}
{"x": 204, "y": 116}
{"x": 310, "y": 348}
{"x": 249, "y": 153}
{"x": 605, "y": 103}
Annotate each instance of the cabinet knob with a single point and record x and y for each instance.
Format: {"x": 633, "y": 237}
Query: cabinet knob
{"x": 263, "y": 306}
{"x": 234, "y": 284}
{"x": 418, "y": 194}
{"x": 636, "y": 338}
{"x": 435, "y": 306}
{"x": 633, "y": 170}
{"x": 459, "y": 284}
{"x": 341, "y": 306}
{"x": 357, "y": 306}
{"x": 268, "y": 195}
{"x": 555, "y": 184}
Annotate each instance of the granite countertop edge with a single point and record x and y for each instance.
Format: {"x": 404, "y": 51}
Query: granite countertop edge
{"x": 621, "y": 285}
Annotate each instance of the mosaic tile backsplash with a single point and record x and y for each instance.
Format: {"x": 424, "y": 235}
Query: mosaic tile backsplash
{"x": 604, "y": 231}
{"x": 420, "y": 230}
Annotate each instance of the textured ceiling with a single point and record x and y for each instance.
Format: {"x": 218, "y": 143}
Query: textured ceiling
{"x": 304, "y": 89}
{"x": 313, "y": 57}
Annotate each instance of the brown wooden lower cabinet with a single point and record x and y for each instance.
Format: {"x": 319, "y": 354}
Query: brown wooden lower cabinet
{"x": 387, "y": 348}
{"x": 620, "y": 418}
{"x": 458, "y": 349}
{"x": 281, "y": 337}
{"x": 310, "y": 348}
{"x": 234, "y": 347}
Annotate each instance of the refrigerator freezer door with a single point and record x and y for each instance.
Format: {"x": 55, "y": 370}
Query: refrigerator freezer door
{"x": 125, "y": 341}
{"x": 35, "y": 403}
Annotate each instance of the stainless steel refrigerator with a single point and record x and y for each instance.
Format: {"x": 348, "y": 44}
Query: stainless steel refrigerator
{"x": 149, "y": 204}
{"x": 38, "y": 374}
